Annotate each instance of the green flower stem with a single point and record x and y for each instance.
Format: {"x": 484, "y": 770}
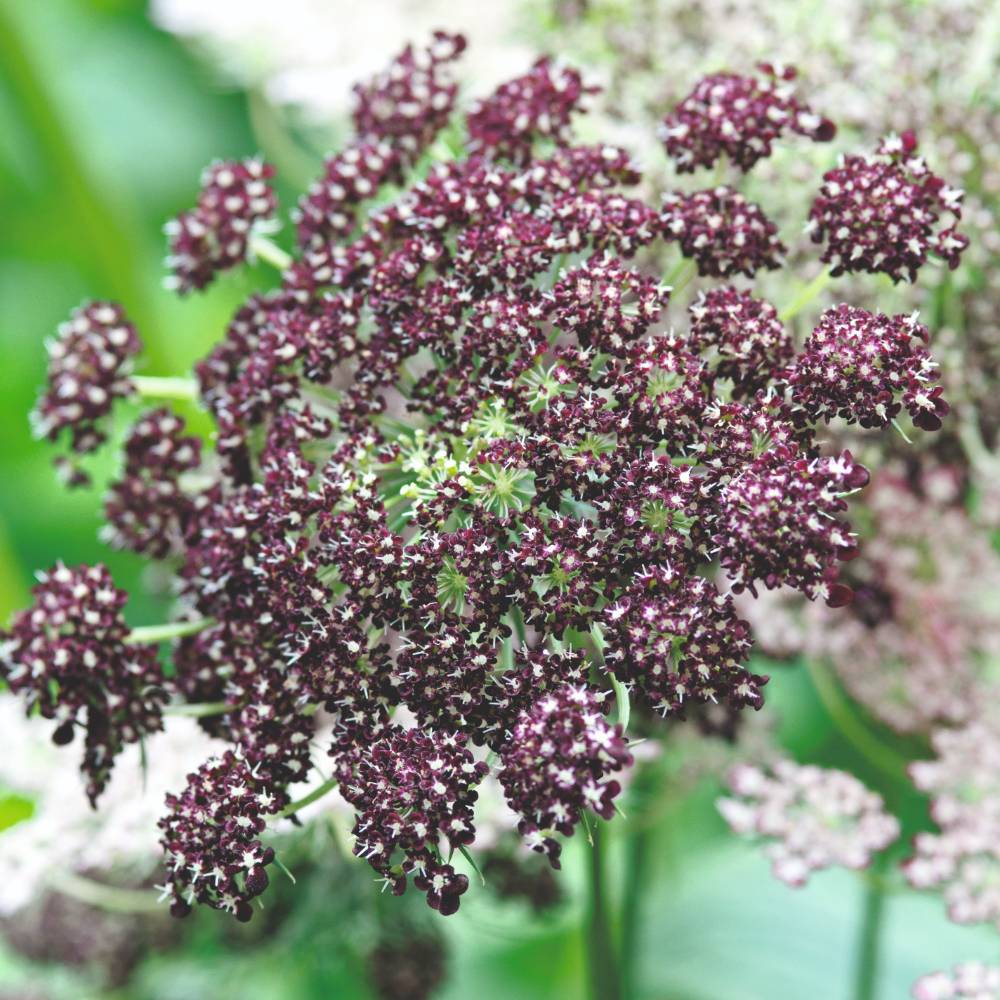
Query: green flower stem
{"x": 869, "y": 940}
{"x": 636, "y": 878}
{"x": 604, "y": 981}
{"x": 165, "y": 387}
{"x": 808, "y": 293}
{"x": 884, "y": 757}
{"x": 269, "y": 252}
{"x": 105, "y": 897}
{"x": 200, "y": 710}
{"x": 148, "y": 634}
{"x": 680, "y": 275}
{"x": 315, "y": 795}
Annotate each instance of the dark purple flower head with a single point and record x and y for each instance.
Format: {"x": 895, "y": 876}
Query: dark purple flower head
{"x": 69, "y": 656}
{"x": 147, "y": 510}
{"x": 605, "y": 305}
{"x": 328, "y": 210}
{"x": 408, "y": 102}
{"x": 739, "y": 117}
{"x": 740, "y": 336}
{"x": 413, "y": 791}
{"x": 778, "y": 523}
{"x": 678, "y": 642}
{"x": 882, "y": 213}
{"x": 215, "y": 235}
{"x": 865, "y": 367}
{"x": 558, "y": 764}
{"x": 723, "y": 232}
{"x": 538, "y": 105}
{"x": 88, "y": 370}
{"x": 211, "y": 838}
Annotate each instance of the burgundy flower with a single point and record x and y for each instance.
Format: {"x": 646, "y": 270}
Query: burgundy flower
{"x": 88, "y": 371}
{"x": 722, "y": 232}
{"x": 215, "y": 235}
{"x": 409, "y": 102}
{"x": 739, "y": 117}
{"x": 147, "y": 510}
{"x": 211, "y": 838}
{"x": 865, "y": 367}
{"x": 411, "y": 790}
{"x": 882, "y": 213}
{"x": 69, "y": 656}
{"x": 741, "y": 336}
{"x": 558, "y": 763}
{"x": 537, "y": 105}
{"x": 787, "y": 503}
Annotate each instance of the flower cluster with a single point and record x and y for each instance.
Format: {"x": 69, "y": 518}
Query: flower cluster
{"x": 410, "y": 101}
{"x": 722, "y": 232}
{"x": 563, "y": 754}
{"x": 865, "y": 367}
{"x": 973, "y": 980}
{"x": 147, "y": 510}
{"x": 963, "y": 860}
{"x": 211, "y": 837}
{"x": 739, "y": 117}
{"x": 539, "y": 104}
{"x": 916, "y": 645}
{"x": 467, "y": 480}
{"x": 412, "y": 791}
{"x": 811, "y": 818}
{"x": 88, "y": 371}
{"x": 748, "y": 343}
{"x": 215, "y": 235}
{"x": 880, "y": 213}
{"x": 70, "y": 657}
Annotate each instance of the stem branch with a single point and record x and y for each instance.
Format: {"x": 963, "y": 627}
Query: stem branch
{"x": 165, "y": 387}
{"x": 604, "y": 982}
{"x": 866, "y": 967}
{"x": 148, "y": 634}
{"x": 269, "y": 252}
{"x": 808, "y": 293}
{"x": 306, "y": 800}
{"x": 105, "y": 897}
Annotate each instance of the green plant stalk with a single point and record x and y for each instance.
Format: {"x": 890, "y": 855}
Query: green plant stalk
{"x": 602, "y": 963}
{"x": 148, "y": 634}
{"x": 315, "y": 795}
{"x": 808, "y": 293}
{"x": 869, "y": 940}
{"x": 886, "y": 758}
{"x": 636, "y": 857}
{"x": 104, "y": 897}
{"x": 165, "y": 387}
{"x": 269, "y": 252}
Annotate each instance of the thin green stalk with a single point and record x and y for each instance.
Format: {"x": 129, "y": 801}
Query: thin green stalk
{"x": 165, "y": 387}
{"x": 808, "y": 293}
{"x": 306, "y": 800}
{"x": 172, "y": 630}
{"x": 269, "y": 252}
{"x": 883, "y": 756}
{"x": 104, "y": 897}
{"x": 604, "y": 981}
{"x": 636, "y": 857}
{"x": 869, "y": 940}
{"x": 199, "y": 710}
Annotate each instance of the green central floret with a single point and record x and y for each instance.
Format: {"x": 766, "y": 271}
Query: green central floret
{"x": 452, "y": 586}
{"x": 502, "y": 488}
{"x": 658, "y": 517}
{"x": 662, "y": 381}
